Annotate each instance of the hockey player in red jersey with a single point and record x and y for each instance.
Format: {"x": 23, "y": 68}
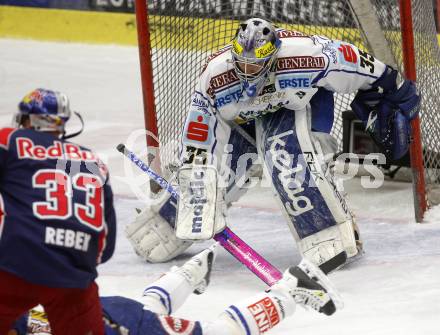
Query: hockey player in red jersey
{"x": 303, "y": 285}
{"x": 57, "y": 220}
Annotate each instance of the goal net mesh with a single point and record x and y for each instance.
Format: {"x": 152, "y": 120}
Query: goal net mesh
{"x": 183, "y": 33}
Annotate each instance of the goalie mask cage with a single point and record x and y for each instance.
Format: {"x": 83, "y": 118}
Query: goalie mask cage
{"x": 176, "y": 37}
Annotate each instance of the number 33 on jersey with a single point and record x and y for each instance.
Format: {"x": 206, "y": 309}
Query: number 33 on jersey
{"x": 56, "y": 195}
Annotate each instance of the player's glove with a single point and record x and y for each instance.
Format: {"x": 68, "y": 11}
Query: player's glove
{"x": 386, "y": 111}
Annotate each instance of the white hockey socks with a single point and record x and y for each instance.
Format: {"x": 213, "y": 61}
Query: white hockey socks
{"x": 263, "y": 311}
{"x": 169, "y": 292}
{"x": 304, "y": 284}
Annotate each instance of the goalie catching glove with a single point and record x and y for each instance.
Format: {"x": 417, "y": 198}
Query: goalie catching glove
{"x": 152, "y": 232}
{"x": 386, "y": 111}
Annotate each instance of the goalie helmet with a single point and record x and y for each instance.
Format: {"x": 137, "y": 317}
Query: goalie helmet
{"x": 254, "y": 50}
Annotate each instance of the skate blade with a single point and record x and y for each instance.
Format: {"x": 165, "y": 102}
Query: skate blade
{"x": 313, "y": 271}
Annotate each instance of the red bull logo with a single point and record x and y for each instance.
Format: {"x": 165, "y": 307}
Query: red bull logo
{"x": 35, "y": 95}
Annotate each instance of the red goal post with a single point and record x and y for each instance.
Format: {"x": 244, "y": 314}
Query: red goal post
{"x": 175, "y": 38}
{"x": 416, "y": 151}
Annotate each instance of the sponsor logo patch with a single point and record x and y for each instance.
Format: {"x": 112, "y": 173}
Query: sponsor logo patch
{"x": 224, "y": 79}
{"x": 198, "y": 199}
{"x": 199, "y": 102}
{"x": 268, "y": 89}
{"x": 268, "y": 98}
{"x": 238, "y": 49}
{"x": 347, "y": 54}
{"x": 265, "y": 50}
{"x": 265, "y": 314}
{"x": 174, "y": 326}
{"x": 34, "y": 95}
{"x": 270, "y": 108}
{"x": 300, "y": 94}
{"x": 227, "y": 97}
{"x": 27, "y": 149}
{"x": 67, "y": 238}
{"x": 290, "y": 177}
{"x": 300, "y": 63}
{"x": 197, "y": 129}
{"x": 294, "y": 82}
{"x": 289, "y": 33}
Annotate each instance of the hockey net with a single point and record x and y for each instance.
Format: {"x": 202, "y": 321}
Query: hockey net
{"x": 183, "y": 33}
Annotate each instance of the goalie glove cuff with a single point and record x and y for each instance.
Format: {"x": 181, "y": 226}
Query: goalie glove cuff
{"x": 406, "y": 99}
{"x": 401, "y": 97}
{"x": 386, "y": 113}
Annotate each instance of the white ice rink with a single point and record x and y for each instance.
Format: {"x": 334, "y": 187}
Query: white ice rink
{"x": 393, "y": 290}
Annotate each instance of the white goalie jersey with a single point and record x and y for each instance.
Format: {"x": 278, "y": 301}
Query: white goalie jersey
{"x": 304, "y": 64}
{"x": 286, "y": 126}
{"x": 307, "y": 70}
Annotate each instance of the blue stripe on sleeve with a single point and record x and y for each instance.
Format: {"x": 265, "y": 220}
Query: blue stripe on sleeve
{"x": 166, "y": 303}
{"x": 242, "y": 319}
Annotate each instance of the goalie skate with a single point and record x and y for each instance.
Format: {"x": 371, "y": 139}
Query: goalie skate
{"x": 197, "y": 270}
{"x": 313, "y": 289}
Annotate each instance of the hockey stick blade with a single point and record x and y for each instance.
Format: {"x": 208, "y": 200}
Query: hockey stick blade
{"x": 121, "y": 148}
{"x": 227, "y": 238}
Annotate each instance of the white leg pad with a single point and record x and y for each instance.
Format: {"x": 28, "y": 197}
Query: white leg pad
{"x": 346, "y": 230}
{"x": 167, "y": 294}
{"x": 322, "y": 246}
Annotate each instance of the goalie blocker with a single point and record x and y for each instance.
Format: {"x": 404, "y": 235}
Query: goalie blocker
{"x": 199, "y": 211}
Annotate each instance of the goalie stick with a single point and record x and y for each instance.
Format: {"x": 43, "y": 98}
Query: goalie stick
{"x": 227, "y": 238}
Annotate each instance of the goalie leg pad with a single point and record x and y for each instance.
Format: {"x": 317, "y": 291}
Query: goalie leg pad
{"x": 152, "y": 236}
{"x": 309, "y": 197}
{"x": 290, "y": 168}
{"x": 324, "y": 249}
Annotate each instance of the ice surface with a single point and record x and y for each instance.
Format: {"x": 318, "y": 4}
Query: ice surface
{"x": 393, "y": 289}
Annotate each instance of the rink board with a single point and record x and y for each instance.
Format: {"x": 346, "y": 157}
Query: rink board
{"x": 120, "y": 28}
